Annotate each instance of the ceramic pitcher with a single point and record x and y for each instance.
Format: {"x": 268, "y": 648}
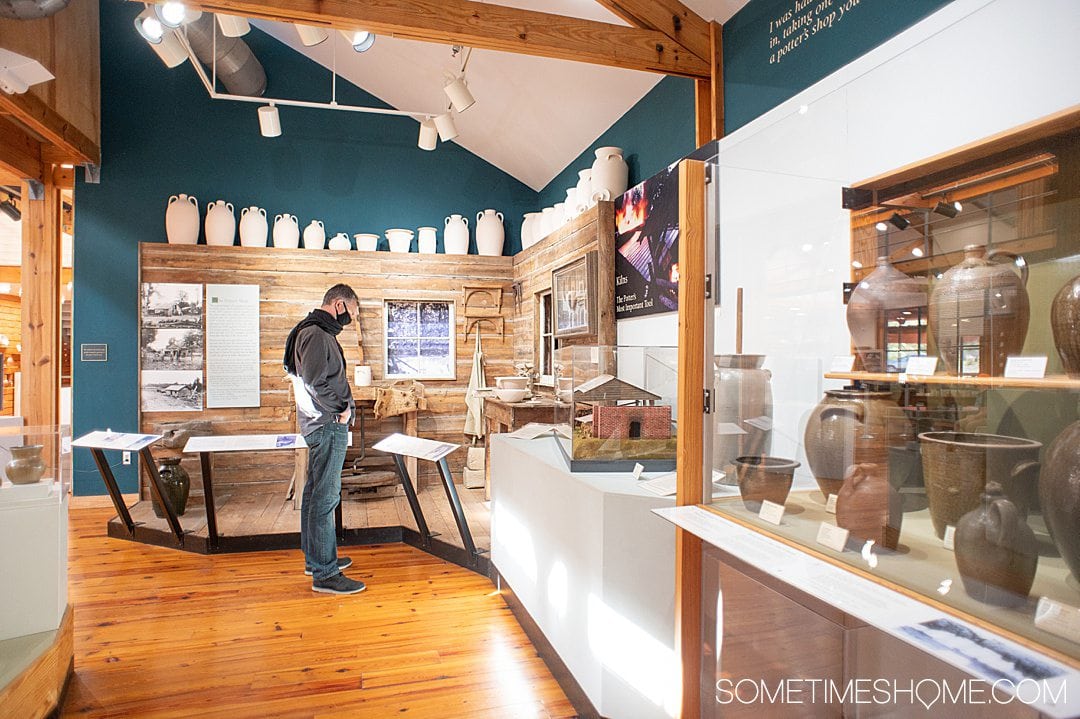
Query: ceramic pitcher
{"x": 609, "y": 171}
{"x": 182, "y": 220}
{"x": 315, "y": 235}
{"x": 220, "y": 224}
{"x": 490, "y": 234}
{"x": 340, "y": 241}
{"x": 584, "y": 186}
{"x": 286, "y": 231}
{"x": 456, "y": 235}
{"x": 253, "y": 227}
{"x": 530, "y": 230}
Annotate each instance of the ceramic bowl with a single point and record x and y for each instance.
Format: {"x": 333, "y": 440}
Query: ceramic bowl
{"x": 366, "y": 242}
{"x": 511, "y": 395}
{"x": 512, "y": 382}
{"x": 400, "y": 240}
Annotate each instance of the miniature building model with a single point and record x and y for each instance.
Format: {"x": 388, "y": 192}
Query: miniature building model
{"x": 610, "y": 420}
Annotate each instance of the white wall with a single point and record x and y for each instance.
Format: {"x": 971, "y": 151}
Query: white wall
{"x": 975, "y": 68}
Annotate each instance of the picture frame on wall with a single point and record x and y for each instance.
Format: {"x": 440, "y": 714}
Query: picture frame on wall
{"x": 573, "y": 288}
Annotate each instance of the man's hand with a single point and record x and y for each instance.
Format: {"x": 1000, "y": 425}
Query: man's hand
{"x": 344, "y": 417}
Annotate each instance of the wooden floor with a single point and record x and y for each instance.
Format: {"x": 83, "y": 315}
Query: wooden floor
{"x": 246, "y": 512}
{"x": 162, "y": 633}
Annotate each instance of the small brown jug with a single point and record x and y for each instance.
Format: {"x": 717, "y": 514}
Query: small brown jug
{"x": 996, "y": 551}
{"x": 868, "y": 506}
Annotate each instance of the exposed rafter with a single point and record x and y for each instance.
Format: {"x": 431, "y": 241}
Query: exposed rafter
{"x": 20, "y": 154}
{"x": 670, "y": 17}
{"x": 31, "y": 111}
{"x": 479, "y": 25}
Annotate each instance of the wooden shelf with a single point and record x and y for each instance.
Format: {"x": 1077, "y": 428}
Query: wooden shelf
{"x": 1051, "y": 382}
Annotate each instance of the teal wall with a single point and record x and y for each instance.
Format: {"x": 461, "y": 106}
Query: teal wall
{"x": 753, "y": 84}
{"x": 162, "y": 135}
{"x": 654, "y": 133}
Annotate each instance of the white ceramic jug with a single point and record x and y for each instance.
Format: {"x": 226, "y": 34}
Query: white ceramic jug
{"x": 573, "y": 206}
{"x": 584, "y": 187}
{"x": 220, "y": 224}
{"x": 530, "y": 230}
{"x": 340, "y": 241}
{"x": 253, "y": 227}
{"x": 548, "y": 222}
{"x": 315, "y": 236}
{"x": 456, "y": 235}
{"x": 286, "y": 231}
{"x": 182, "y": 220}
{"x": 399, "y": 240}
{"x": 609, "y": 171}
{"x": 559, "y": 218}
{"x": 490, "y": 234}
{"x": 366, "y": 241}
{"x": 426, "y": 243}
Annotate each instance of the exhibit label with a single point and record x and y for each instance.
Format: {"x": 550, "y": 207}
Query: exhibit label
{"x": 831, "y": 536}
{"x": 771, "y": 512}
{"x": 647, "y": 247}
{"x": 232, "y": 345}
{"x": 1025, "y": 367}
{"x": 94, "y": 352}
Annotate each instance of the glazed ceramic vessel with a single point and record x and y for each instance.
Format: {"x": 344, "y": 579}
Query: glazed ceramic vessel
{"x": 456, "y": 235}
{"x": 1065, "y": 322}
{"x": 315, "y": 236}
{"x": 490, "y": 234}
{"x": 220, "y": 224}
{"x": 979, "y": 313}
{"x": 426, "y": 240}
{"x": 764, "y": 478}
{"x": 340, "y": 241}
{"x": 176, "y": 483}
{"x": 366, "y": 241}
{"x": 584, "y": 186}
{"x": 253, "y": 227}
{"x": 852, "y": 426}
{"x": 530, "y": 227}
{"x": 182, "y": 220}
{"x": 885, "y": 295}
{"x": 742, "y": 411}
{"x": 868, "y": 506}
{"x": 400, "y": 240}
{"x": 286, "y": 231}
{"x": 609, "y": 172}
{"x": 26, "y": 465}
{"x": 548, "y": 222}
{"x": 957, "y": 467}
{"x": 1059, "y": 494}
{"x": 996, "y": 551}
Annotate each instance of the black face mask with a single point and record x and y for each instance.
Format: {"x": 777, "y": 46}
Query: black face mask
{"x": 344, "y": 318}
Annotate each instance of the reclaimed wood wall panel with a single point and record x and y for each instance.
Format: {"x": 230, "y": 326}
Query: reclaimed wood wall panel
{"x": 291, "y": 283}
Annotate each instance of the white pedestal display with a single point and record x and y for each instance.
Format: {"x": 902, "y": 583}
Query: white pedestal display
{"x": 33, "y": 558}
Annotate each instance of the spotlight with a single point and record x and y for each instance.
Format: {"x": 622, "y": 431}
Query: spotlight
{"x": 174, "y": 14}
{"x": 459, "y": 94}
{"x": 881, "y": 227}
{"x": 943, "y": 208}
{"x": 269, "y": 121}
{"x": 233, "y": 25}
{"x": 149, "y": 26}
{"x": 958, "y": 206}
{"x": 163, "y": 41}
{"x": 444, "y": 123}
{"x": 917, "y": 251}
{"x": 361, "y": 40}
{"x": 429, "y": 134}
{"x": 900, "y": 223}
{"x": 311, "y": 36}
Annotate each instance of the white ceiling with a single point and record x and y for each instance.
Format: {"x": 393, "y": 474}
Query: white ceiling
{"x": 533, "y": 116}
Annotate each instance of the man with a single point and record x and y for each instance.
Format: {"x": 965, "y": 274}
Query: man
{"x": 315, "y": 363}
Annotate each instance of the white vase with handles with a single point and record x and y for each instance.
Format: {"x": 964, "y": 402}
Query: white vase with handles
{"x": 548, "y": 222}
{"x": 426, "y": 240}
{"x": 286, "y": 231}
{"x": 340, "y": 241}
{"x": 182, "y": 220}
{"x": 220, "y": 224}
{"x": 609, "y": 171}
{"x": 366, "y": 241}
{"x": 253, "y": 227}
{"x": 559, "y": 218}
{"x": 315, "y": 235}
{"x": 530, "y": 230}
{"x": 490, "y": 233}
{"x": 456, "y": 235}
{"x": 399, "y": 240}
{"x": 584, "y": 187}
{"x": 574, "y": 207}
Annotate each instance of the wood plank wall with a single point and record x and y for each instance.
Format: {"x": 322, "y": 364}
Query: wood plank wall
{"x": 292, "y": 283}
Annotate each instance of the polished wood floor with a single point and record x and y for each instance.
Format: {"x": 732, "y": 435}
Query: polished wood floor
{"x": 165, "y": 633}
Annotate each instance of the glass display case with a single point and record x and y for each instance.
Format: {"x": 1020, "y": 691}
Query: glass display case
{"x": 620, "y": 403}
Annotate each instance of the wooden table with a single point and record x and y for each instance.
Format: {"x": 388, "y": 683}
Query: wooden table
{"x": 502, "y": 416}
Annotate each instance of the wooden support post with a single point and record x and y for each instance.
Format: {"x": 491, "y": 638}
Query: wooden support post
{"x": 41, "y": 306}
{"x": 709, "y": 92}
{"x": 691, "y": 423}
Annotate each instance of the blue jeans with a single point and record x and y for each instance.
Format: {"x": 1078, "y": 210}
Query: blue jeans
{"x": 322, "y": 494}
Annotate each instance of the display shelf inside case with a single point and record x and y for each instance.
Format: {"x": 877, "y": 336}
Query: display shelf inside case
{"x": 922, "y": 565}
{"x": 1049, "y": 382}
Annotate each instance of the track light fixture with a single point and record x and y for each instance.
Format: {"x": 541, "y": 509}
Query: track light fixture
{"x": 947, "y": 209}
{"x": 899, "y": 222}
{"x": 163, "y": 40}
{"x": 8, "y": 208}
{"x": 429, "y": 135}
{"x": 173, "y": 14}
{"x": 311, "y": 36}
{"x": 232, "y": 25}
{"x": 269, "y": 121}
{"x": 459, "y": 94}
{"x": 444, "y": 123}
{"x": 361, "y": 40}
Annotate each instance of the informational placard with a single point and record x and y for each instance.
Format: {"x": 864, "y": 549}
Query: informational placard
{"x": 830, "y": 504}
{"x": 115, "y": 440}
{"x": 1026, "y": 367}
{"x": 1057, "y": 618}
{"x": 94, "y": 352}
{"x": 245, "y": 443}
{"x": 417, "y": 447}
{"x": 922, "y": 366}
{"x": 647, "y": 246}
{"x": 831, "y": 536}
{"x": 232, "y": 345}
{"x": 949, "y": 541}
{"x": 771, "y": 512}
{"x": 638, "y": 469}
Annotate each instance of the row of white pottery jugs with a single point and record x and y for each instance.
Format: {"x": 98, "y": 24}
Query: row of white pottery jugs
{"x": 490, "y": 234}
{"x": 456, "y": 235}
{"x": 182, "y": 220}
{"x": 253, "y": 227}
{"x": 220, "y": 224}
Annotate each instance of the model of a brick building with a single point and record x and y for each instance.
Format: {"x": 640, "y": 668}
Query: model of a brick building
{"x": 632, "y": 422}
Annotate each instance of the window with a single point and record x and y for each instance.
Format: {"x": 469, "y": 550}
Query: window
{"x": 419, "y": 339}
{"x": 545, "y": 339}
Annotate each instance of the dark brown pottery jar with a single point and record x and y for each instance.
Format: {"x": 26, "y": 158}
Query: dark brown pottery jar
{"x": 996, "y": 551}
{"x": 1065, "y": 321}
{"x": 958, "y": 466}
{"x": 884, "y": 295}
{"x": 762, "y": 478}
{"x": 177, "y": 484}
{"x": 868, "y": 506}
{"x": 979, "y": 313}
{"x": 1059, "y": 493}
{"x": 851, "y": 426}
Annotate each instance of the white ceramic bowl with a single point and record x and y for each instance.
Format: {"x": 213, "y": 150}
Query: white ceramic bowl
{"x": 511, "y": 395}
{"x": 366, "y": 242}
{"x": 400, "y": 240}
{"x": 514, "y": 382}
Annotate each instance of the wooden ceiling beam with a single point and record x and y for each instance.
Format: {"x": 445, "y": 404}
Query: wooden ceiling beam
{"x": 483, "y": 26}
{"x": 20, "y": 154}
{"x": 33, "y": 112}
{"x": 671, "y": 17}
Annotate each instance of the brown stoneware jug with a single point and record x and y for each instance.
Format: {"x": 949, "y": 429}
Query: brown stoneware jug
{"x": 177, "y": 485}
{"x": 979, "y": 313}
{"x": 996, "y": 551}
{"x": 1059, "y": 494}
{"x": 868, "y": 506}
{"x": 26, "y": 465}
{"x": 762, "y": 478}
{"x": 885, "y": 295}
{"x": 1065, "y": 321}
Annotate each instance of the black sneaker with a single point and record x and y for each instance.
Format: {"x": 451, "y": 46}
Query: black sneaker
{"x": 342, "y": 563}
{"x": 338, "y": 584}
